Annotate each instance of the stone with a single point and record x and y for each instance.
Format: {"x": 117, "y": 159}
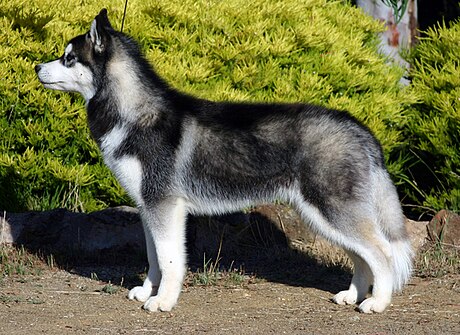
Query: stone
{"x": 233, "y": 236}
{"x": 445, "y": 228}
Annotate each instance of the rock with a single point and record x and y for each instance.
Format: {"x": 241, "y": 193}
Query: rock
{"x": 233, "y": 236}
{"x": 299, "y": 236}
{"x": 445, "y": 228}
{"x": 417, "y": 233}
{"x": 61, "y": 229}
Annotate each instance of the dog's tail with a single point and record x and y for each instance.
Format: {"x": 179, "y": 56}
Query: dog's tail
{"x": 392, "y": 223}
{"x": 402, "y": 258}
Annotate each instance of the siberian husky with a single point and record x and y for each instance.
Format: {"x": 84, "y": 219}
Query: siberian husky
{"x": 177, "y": 154}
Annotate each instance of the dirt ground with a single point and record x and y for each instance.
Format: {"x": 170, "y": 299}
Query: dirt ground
{"x": 61, "y": 302}
{"x": 285, "y": 278}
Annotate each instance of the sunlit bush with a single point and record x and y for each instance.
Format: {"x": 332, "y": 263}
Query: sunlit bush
{"x": 317, "y": 51}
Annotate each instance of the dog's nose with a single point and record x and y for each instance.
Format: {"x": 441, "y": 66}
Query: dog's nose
{"x": 38, "y": 67}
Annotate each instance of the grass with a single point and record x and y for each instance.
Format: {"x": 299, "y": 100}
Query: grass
{"x": 20, "y": 262}
{"x": 212, "y": 273}
{"x": 8, "y": 299}
{"x": 437, "y": 260}
{"x": 208, "y": 275}
{"x": 110, "y": 288}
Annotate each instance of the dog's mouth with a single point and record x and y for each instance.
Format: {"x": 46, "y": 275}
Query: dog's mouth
{"x": 50, "y": 82}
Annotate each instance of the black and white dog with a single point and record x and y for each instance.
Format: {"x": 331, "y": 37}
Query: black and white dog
{"x": 177, "y": 154}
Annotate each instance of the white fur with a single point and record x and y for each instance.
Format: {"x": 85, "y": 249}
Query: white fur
{"x": 379, "y": 249}
{"x": 371, "y": 253}
{"x": 152, "y": 281}
{"x": 112, "y": 140}
{"x": 390, "y": 220}
{"x": 127, "y": 169}
{"x": 134, "y": 103}
{"x": 166, "y": 226}
{"x": 77, "y": 78}
{"x": 385, "y": 259}
{"x": 402, "y": 257}
{"x": 125, "y": 81}
{"x": 95, "y": 37}
{"x": 68, "y": 49}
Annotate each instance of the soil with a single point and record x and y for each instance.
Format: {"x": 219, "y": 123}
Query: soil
{"x": 71, "y": 302}
{"x": 284, "y": 280}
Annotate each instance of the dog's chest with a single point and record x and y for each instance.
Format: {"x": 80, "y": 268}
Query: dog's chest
{"x": 126, "y": 168}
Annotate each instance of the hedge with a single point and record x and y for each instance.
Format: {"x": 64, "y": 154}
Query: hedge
{"x": 316, "y": 51}
{"x": 434, "y": 128}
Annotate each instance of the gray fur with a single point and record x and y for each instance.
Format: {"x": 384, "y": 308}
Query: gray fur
{"x": 176, "y": 154}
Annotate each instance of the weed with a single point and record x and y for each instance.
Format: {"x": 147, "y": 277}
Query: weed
{"x": 17, "y": 261}
{"x": 235, "y": 277}
{"x": 436, "y": 260}
{"x": 8, "y": 299}
{"x": 50, "y": 261}
{"x": 213, "y": 273}
{"x": 110, "y": 289}
{"x": 208, "y": 275}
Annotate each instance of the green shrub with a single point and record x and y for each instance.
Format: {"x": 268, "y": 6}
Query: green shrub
{"x": 316, "y": 51}
{"x": 434, "y": 129}
{"x": 47, "y": 157}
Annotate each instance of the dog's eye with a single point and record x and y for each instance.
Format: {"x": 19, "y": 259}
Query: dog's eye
{"x": 69, "y": 60}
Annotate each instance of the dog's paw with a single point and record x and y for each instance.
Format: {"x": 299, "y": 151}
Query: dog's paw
{"x": 373, "y": 305}
{"x": 157, "y": 304}
{"x": 140, "y": 293}
{"x": 348, "y": 297}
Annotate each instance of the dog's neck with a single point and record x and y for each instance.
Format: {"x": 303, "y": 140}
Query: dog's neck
{"x": 129, "y": 89}
{"x": 125, "y": 96}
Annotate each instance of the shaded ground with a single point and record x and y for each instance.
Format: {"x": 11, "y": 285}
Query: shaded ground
{"x": 58, "y": 302}
{"x": 289, "y": 293}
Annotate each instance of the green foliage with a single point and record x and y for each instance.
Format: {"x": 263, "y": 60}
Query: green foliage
{"x": 436, "y": 260}
{"x": 48, "y": 158}
{"x": 435, "y": 128}
{"x": 317, "y": 51}
{"x": 399, "y": 8}
{"x": 110, "y": 288}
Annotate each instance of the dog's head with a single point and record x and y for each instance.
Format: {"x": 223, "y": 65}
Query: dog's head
{"x": 80, "y": 67}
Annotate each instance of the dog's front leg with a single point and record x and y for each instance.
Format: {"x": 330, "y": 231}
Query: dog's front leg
{"x": 152, "y": 281}
{"x": 165, "y": 224}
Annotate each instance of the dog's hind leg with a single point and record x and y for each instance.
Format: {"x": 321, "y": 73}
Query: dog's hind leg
{"x": 389, "y": 238}
{"x": 166, "y": 224}
{"x": 356, "y": 231}
{"x": 377, "y": 254}
{"x": 360, "y": 283}
{"x": 373, "y": 265}
{"x": 142, "y": 293}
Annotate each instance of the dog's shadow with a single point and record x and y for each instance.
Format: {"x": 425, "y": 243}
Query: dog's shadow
{"x": 258, "y": 243}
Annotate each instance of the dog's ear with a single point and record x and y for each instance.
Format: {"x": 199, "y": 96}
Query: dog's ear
{"x": 103, "y": 19}
{"x": 98, "y": 32}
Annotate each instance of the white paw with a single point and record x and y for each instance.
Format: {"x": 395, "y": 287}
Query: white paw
{"x": 158, "y": 304}
{"x": 373, "y": 305}
{"x": 140, "y": 293}
{"x": 348, "y": 297}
